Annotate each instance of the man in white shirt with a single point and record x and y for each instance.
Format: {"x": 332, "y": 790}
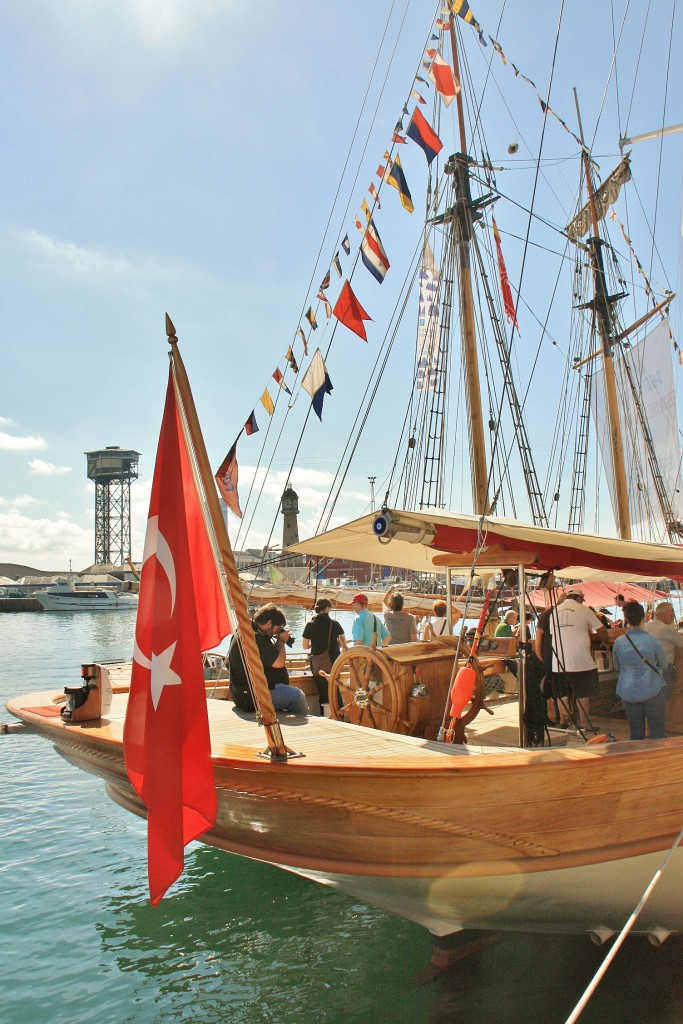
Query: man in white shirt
{"x": 662, "y": 627}
{"x": 574, "y": 671}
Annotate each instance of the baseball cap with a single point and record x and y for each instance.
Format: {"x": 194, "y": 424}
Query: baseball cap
{"x": 360, "y": 599}
{"x": 576, "y": 595}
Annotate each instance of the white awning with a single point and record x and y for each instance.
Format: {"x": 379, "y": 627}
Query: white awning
{"x": 428, "y": 541}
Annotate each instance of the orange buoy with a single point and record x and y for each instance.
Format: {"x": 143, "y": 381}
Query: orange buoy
{"x": 462, "y": 689}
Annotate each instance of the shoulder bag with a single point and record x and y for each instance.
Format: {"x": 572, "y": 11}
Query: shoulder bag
{"x": 669, "y": 674}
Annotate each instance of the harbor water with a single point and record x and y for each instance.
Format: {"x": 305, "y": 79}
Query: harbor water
{"x": 235, "y": 941}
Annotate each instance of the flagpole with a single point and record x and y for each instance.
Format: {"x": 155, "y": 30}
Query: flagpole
{"x": 276, "y": 745}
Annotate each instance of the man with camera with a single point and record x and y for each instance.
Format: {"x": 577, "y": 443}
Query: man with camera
{"x": 272, "y": 637}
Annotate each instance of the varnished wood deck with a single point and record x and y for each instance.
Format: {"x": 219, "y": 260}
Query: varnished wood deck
{"x": 323, "y": 742}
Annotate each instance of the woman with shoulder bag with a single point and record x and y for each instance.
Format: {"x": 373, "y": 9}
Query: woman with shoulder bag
{"x": 641, "y": 662}
{"x": 325, "y": 639}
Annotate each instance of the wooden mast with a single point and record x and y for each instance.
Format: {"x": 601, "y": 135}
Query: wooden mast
{"x": 276, "y": 744}
{"x": 603, "y": 311}
{"x": 462, "y": 229}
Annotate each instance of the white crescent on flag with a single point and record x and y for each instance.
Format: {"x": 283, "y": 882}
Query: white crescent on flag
{"x": 156, "y": 544}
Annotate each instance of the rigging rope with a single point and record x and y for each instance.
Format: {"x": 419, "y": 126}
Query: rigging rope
{"x": 585, "y": 998}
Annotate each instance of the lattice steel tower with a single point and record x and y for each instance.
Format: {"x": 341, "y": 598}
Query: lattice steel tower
{"x": 112, "y": 469}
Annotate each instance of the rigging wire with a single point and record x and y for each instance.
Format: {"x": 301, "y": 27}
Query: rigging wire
{"x": 600, "y": 973}
{"x": 524, "y": 254}
{"x": 612, "y": 68}
{"x": 661, "y": 138}
{"x": 418, "y": 413}
{"x": 359, "y": 166}
{"x": 637, "y": 68}
{"x": 350, "y": 148}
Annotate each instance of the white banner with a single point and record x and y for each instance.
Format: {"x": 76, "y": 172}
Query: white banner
{"x": 652, "y": 371}
{"x": 428, "y": 323}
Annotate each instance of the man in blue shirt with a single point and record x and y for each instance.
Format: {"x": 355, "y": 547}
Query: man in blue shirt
{"x": 365, "y": 625}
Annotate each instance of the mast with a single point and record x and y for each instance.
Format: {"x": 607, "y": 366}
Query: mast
{"x": 602, "y": 306}
{"x": 461, "y": 226}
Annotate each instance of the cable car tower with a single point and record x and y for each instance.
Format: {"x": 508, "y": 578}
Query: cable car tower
{"x": 112, "y": 470}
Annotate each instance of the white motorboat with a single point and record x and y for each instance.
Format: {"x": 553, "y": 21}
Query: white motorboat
{"x": 69, "y": 597}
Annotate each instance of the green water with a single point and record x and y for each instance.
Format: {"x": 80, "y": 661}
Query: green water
{"x": 235, "y": 941}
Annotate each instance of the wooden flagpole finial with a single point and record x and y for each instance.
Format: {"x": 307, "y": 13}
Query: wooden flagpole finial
{"x": 170, "y": 331}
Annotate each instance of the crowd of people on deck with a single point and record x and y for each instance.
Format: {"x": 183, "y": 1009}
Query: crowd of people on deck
{"x": 643, "y": 653}
{"x": 324, "y": 639}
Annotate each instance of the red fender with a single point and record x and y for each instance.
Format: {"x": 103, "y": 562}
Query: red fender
{"x": 462, "y": 689}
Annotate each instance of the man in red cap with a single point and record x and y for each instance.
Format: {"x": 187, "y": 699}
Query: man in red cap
{"x": 365, "y": 625}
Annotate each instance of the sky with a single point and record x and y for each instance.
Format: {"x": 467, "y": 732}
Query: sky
{"x": 183, "y": 156}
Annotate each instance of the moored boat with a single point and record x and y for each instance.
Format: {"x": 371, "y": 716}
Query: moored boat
{"x": 452, "y": 835}
{"x": 70, "y": 597}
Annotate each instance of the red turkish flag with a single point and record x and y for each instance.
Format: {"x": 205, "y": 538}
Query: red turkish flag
{"x": 349, "y": 311}
{"x": 181, "y": 613}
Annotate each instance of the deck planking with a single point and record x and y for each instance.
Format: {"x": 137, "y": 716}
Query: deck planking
{"x": 322, "y": 741}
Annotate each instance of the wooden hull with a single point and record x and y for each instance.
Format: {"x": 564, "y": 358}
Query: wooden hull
{"x": 552, "y": 840}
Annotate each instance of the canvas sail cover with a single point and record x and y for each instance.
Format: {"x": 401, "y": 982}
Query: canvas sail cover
{"x": 427, "y": 541}
{"x": 428, "y": 323}
{"x": 652, "y": 369}
{"x": 605, "y": 197}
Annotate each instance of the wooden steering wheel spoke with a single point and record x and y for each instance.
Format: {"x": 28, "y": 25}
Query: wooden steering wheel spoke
{"x": 368, "y": 688}
{"x": 369, "y": 694}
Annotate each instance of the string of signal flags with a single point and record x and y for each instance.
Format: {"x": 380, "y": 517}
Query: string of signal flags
{"x": 347, "y": 308}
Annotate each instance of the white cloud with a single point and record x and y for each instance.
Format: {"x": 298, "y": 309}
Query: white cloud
{"x": 67, "y": 258}
{"x": 67, "y": 255}
{"x": 12, "y": 443}
{"x": 41, "y": 468}
{"x": 311, "y": 485}
{"x": 5, "y": 421}
{"x": 21, "y": 501}
{"x": 44, "y": 543}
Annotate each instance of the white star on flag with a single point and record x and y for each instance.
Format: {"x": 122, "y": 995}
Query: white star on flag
{"x": 162, "y": 674}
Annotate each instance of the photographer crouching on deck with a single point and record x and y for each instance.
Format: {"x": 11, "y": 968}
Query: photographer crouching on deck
{"x": 272, "y": 638}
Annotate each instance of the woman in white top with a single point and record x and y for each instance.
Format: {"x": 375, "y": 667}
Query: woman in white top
{"x": 438, "y": 626}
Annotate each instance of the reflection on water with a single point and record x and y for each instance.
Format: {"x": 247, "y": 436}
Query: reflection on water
{"x": 45, "y": 649}
{"x": 241, "y": 939}
{"x": 235, "y": 941}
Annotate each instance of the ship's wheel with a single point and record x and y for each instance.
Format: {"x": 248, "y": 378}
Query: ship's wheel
{"x": 363, "y": 691}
